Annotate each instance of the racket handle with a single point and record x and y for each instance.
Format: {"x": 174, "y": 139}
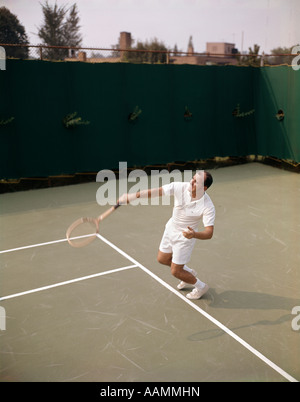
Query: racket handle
{"x": 108, "y": 212}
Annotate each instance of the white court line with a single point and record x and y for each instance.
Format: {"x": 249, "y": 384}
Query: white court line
{"x": 204, "y": 313}
{"x": 55, "y": 285}
{"x": 43, "y": 244}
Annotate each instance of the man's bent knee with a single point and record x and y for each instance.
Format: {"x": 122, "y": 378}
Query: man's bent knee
{"x": 176, "y": 270}
{"x": 164, "y": 258}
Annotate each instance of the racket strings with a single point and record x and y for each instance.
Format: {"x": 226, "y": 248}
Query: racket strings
{"x": 83, "y": 232}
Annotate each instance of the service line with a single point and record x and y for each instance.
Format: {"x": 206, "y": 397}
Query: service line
{"x": 55, "y": 285}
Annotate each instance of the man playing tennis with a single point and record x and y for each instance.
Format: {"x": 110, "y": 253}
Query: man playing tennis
{"x": 191, "y": 204}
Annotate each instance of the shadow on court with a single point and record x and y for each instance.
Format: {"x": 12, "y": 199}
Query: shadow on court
{"x": 216, "y": 332}
{"x": 235, "y": 299}
{"x": 248, "y": 301}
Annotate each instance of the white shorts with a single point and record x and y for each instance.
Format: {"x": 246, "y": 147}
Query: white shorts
{"x": 175, "y": 243}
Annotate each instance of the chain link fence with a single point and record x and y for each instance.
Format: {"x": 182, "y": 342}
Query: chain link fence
{"x": 115, "y": 55}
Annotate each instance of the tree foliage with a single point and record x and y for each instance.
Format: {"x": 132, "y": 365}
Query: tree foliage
{"x": 147, "y": 52}
{"x": 59, "y": 29}
{"x": 12, "y": 31}
{"x": 279, "y": 57}
{"x": 71, "y": 28}
{"x": 251, "y": 59}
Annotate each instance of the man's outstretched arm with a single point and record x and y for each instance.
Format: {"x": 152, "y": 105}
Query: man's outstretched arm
{"x": 150, "y": 193}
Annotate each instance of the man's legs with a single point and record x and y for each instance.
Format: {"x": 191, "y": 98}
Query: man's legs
{"x": 176, "y": 270}
{"x": 184, "y": 275}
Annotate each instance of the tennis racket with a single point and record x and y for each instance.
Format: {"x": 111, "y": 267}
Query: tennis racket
{"x": 84, "y": 230}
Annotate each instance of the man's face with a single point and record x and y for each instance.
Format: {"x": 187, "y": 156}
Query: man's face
{"x": 197, "y": 184}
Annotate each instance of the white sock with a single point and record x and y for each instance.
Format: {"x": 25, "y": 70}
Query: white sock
{"x": 199, "y": 284}
{"x": 186, "y": 268}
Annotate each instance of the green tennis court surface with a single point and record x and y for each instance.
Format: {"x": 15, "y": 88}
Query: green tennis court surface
{"x": 110, "y": 312}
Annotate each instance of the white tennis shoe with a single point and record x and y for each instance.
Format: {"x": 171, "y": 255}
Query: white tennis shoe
{"x": 183, "y": 285}
{"x": 197, "y": 293}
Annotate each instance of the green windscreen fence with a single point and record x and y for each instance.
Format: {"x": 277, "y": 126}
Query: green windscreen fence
{"x": 277, "y": 89}
{"x": 185, "y": 113}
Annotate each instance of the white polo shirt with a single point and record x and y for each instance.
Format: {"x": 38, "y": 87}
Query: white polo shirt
{"x": 188, "y": 212}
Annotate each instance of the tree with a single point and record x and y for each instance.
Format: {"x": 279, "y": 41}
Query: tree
{"x": 59, "y": 30}
{"x": 148, "y": 52}
{"x": 175, "y": 50}
{"x": 190, "y": 46}
{"x": 12, "y": 32}
{"x": 252, "y": 59}
{"x": 71, "y": 28}
{"x": 278, "y": 59}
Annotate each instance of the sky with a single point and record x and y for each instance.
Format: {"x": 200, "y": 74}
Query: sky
{"x": 268, "y": 23}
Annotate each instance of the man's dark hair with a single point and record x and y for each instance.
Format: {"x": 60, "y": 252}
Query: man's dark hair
{"x": 208, "y": 179}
